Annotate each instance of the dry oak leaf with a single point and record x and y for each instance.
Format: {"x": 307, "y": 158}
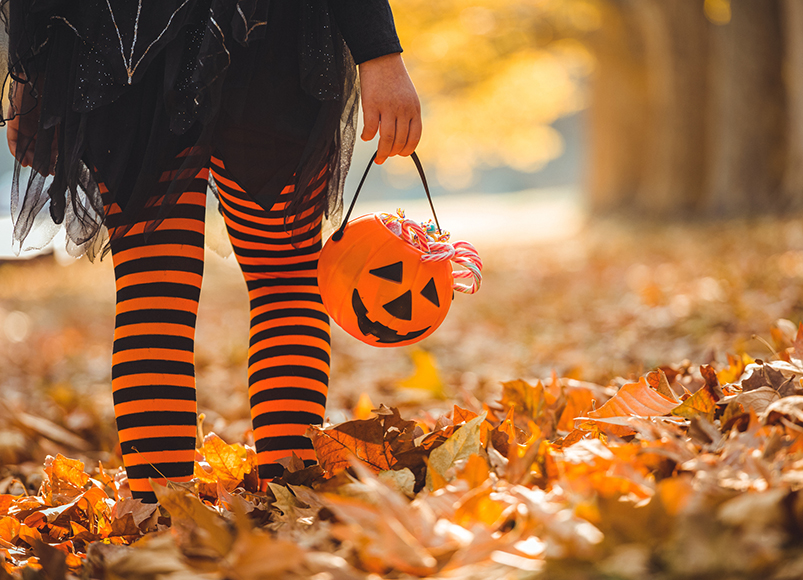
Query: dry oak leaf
{"x": 375, "y": 442}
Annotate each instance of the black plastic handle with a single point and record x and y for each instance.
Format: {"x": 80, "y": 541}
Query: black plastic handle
{"x": 339, "y": 233}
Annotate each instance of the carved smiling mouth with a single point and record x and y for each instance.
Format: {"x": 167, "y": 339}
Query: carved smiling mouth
{"x": 383, "y": 333}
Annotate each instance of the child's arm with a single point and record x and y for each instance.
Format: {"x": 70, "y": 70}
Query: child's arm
{"x": 390, "y": 104}
{"x": 389, "y": 101}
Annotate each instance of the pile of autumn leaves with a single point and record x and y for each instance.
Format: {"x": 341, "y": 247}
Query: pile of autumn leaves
{"x": 685, "y": 473}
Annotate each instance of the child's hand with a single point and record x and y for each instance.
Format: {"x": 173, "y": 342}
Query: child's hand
{"x": 390, "y": 104}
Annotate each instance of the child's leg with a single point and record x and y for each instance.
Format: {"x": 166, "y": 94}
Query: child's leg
{"x": 288, "y": 358}
{"x": 153, "y": 372}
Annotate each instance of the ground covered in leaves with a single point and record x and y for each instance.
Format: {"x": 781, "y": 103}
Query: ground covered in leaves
{"x": 600, "y": 409}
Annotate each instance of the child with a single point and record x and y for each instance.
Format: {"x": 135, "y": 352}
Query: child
{"x": 132, "y": 108}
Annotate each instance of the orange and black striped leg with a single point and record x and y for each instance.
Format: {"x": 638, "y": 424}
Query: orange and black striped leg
{"x": 153, "y": 372}
{"x": 288, "y": 357}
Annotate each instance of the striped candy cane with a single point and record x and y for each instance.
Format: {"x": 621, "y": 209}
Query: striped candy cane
{"x": 436, "y": 247}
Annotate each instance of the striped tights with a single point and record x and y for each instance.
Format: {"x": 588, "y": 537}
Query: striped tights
{"x": 158, "y": 285}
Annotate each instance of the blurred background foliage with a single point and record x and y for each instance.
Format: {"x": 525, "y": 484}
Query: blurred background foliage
{"x": 494, "y": 76}
{"x": 693, "y": 107}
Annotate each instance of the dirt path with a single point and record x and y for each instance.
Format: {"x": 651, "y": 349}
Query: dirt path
{"x": 612, "y": 299}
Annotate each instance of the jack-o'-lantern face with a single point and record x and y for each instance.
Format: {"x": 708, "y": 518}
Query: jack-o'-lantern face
{"x": 377, "y": 288}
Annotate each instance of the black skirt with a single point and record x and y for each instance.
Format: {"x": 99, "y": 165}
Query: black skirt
{"x": 130, "y": 90}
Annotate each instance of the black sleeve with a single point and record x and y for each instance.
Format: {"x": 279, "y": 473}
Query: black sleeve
{"x": 367, "y": 27}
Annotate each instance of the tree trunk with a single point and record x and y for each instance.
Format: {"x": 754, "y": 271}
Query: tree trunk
{"x": 747, "y": 138}
{"x": 792, "y": 16}
{"x": 675, "y": 35}
{"x": 692, "y": 118}
{"x": 618, "y": 113}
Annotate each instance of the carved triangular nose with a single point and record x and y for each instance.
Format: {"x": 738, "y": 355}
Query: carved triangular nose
{"x": 401, "y": 307}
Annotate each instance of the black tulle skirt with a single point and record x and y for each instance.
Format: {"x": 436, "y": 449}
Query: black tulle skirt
{"x": 128, "y": 90}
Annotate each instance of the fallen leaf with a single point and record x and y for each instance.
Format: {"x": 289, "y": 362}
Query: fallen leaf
{"x": 425, "y": 376}
{"x": 227, "y": 461}
{"x": 463, "y": 443}
{"x": 50, "y": 430}
{"x": 363, "y": 408}
{"x": 635, "y": 399}
{"x": 9, "y": 529}
{"x": 258, "y": 556}
{"x": 734, "y": 414}
{"x": 460, "y": 415}
{"x": 658, "y": 381}
{"x": 482, "y": 506}
{"x": 578, "y": 403}
{"x": 475, "y": 472}
{"x": 703, "y": 403}
{"x": 758, "y": 399}
{"x": 66, "y": 477}
{"x": 788, "y": 408}
{"x": 383, "y": 542}
{"x": 775, "y": 374}
{"x": 185, "y": 507}
{"x": 375, "y": 442}
{"x": 736, "y": 366}
{"x": 528, "y": 400}
{"x": 154, "y": 556}
{"x": 128, "y": 515}
{"x": 402, "y": 481}
{"x": 631, "y": 400}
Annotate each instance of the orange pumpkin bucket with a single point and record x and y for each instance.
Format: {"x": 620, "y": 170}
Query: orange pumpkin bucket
{"x": 389, "y": 281}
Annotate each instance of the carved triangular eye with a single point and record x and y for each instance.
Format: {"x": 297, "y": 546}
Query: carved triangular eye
{"x": 392, "y": 272}
{"x": 431, "y": 293}
{"x": 401, "y": 307}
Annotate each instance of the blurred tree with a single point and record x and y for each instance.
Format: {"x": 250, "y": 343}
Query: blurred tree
{"x": 494, "y": 75}
{"x": 697, "y": 106}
